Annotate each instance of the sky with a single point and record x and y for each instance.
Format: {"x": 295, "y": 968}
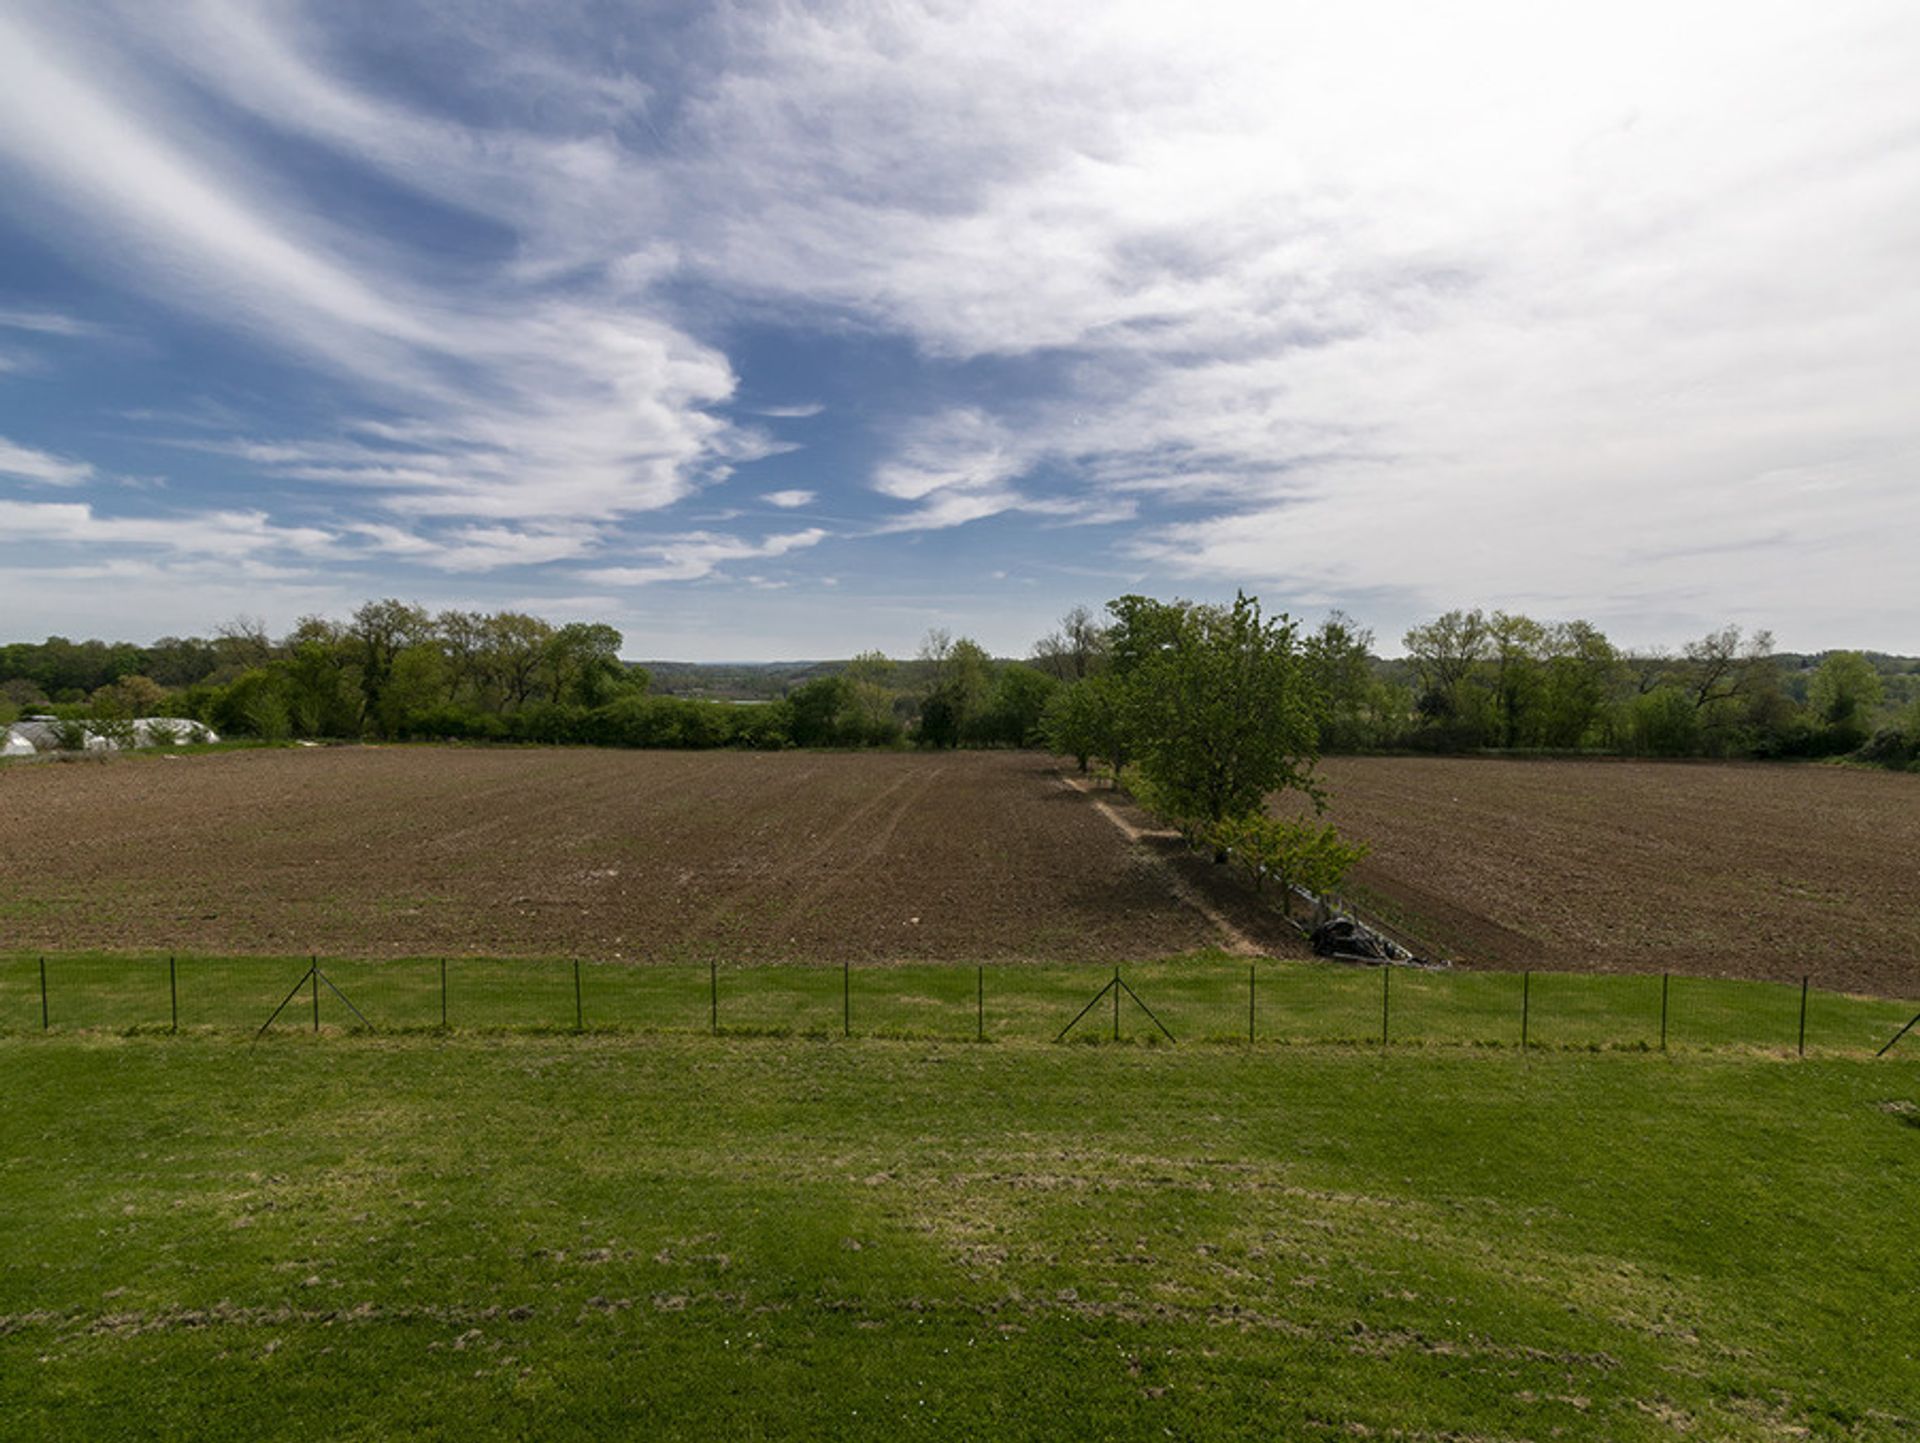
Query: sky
{"x": 786, "y": 331}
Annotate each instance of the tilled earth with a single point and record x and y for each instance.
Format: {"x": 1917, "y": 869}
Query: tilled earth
{"x": 367, "y": 851}
{"x": 1747, "y": 870}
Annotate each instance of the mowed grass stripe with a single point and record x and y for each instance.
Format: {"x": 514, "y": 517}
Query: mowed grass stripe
{"x": 1196, "y": 999}
{"x": 696, "y": 1237}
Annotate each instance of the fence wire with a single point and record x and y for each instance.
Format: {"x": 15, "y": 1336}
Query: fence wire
{"x": 1199, "y": 1001}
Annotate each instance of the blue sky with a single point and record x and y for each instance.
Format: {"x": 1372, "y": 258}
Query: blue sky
{"x": 787, "y": 331}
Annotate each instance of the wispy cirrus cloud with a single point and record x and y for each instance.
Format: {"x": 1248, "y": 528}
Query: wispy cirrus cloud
{"x": 1520, "y": 304}
{"x": 41, "y": 468}
{"x": 699, "y": 554}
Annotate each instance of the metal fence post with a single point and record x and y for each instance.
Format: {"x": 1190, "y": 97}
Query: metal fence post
{"x": 1665, "y": 978}
{"x": 1250, "y": 1002}
{"x": 313, "y": 975}
{"x": 980, "y": 1002}
{"x": 173, "y": 993}
{"x": 713, "y": 993}
{"x": 1116, "y": 1003}
{"x": 443, "y": 994}
{"x": 1803, "y": 1015}
{"x": 579, "y": 1016}
{"x": 1386, "y": 999}
{"x": 1526, "y": 994}
{"x": 43, "y": 994}
{"x": 846, "y": 998}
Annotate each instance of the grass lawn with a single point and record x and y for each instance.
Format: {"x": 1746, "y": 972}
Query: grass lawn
{"x": 680, "y": 1236}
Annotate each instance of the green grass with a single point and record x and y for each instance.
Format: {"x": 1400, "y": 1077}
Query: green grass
{"x": 679, "y": 1236}
{"x": 1196, "y": 999}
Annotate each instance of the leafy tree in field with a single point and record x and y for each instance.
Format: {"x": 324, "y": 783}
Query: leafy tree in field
{"x": 867, "y": 714}
{"x": 1517, "y": 644}
{"x": 1664, "y": 722}
{"x": 378, "y": 633}
{"x": 254, "y": 704}
{"x": 960, "y": 677}
{"x": 1076, "y": 651}
{"x": 1085, "y": 720}
{"x": 582, "y": 664}
{"x": 1444, "y": 654}
{"x": 1843, "y": 694}
{"x": 1339, "y": 657}
{"x": 463, "y": 637}
{"x": 1218, "y": 704}
{"x": 131, "y": 696}
{"x": 516, "y": 650}
{"x": 816, "y": 711}
{"x": 1014, "y": 707}
{"x": 415, "y": 683}
{"x": 1734, "y": 683}
{"x": 320, "y": 691}
{"x": 1580, "y": 674}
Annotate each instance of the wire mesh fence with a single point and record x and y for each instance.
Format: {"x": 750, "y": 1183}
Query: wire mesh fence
{"x": 1191, "y": 1000}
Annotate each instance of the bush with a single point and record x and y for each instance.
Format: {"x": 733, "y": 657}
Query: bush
{"x": 1295, "y": 854}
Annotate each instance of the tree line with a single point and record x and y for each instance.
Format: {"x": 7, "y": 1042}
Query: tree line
{"x": 1468, "y": 680}
{"x": 396, "y": 671}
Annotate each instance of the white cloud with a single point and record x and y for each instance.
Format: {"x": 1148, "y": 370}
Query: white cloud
{"x": 228, "y": 535}
{"x": 1511, "y": 304}
{"x": 22, "y": 463}
{"x": 521, "y": 403}
{"x": 47, "y": 323}
{"x": 789, "y": 500}
{"x": 698, "y": 554}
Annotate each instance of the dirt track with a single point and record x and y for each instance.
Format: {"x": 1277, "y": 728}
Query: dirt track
{"x": 1728, "y": 869}
{"x": 744, "y": 856}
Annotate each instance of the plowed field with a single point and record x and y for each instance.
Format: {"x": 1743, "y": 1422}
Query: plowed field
{"x": 449, "y": 852}
{"x": 1730, "y": 870}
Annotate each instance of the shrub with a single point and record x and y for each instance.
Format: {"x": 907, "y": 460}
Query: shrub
{"x": 1295, "y": 854}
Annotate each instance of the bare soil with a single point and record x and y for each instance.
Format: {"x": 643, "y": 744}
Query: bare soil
{"x": 416, "y": 851}
{"x": 1743, "y": 870}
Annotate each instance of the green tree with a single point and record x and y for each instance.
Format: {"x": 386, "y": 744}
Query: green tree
{"x": 1843, "y": 695}
{"x": 960, "y": 675}
{"x": 1085, "y": 720}
{"x": 1219, "y": 705}
{"x": 516, "y": 650}
{"x": 1446, "y": 655}
{"x": 1076, "y": 651}
{"x": 1339, "y": 658}
{"x": 582, "y": 664}
{"x": 378, "y": 633}
{"x": 1015, "y": 707}
{"x": 1580, "y": 674}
